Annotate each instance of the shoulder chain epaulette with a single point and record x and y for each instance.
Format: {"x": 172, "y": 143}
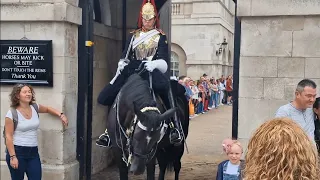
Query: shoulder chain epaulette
{"x": 134, "y": 31}
{"x": 161, "y": 32}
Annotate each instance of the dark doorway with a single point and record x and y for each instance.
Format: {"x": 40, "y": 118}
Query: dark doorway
{"x": 92, "y": 12}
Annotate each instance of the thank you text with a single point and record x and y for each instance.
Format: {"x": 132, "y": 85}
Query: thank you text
{"x": 26, "y": 61}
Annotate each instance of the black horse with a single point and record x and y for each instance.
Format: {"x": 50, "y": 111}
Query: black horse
{"x": 169, "y": 155}
{"x": 135, "y": 126}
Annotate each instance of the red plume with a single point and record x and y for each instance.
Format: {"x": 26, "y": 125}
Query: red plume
{"x": 155, "y": 10}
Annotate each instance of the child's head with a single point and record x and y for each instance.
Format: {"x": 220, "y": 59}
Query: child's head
{"x": 233, "y": 149}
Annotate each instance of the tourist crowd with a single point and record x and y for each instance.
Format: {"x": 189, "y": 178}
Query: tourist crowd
{"x": 207, "y": 93}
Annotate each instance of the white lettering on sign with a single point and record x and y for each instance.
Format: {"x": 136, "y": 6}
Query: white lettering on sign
{"x": 28, "y": 57}
{"x": 18, "y": 76}
{"x": 17, "y": 63}
{"x": 26, "y": 63}
{"x": 32, "y": 76}
{"x": 23, "y": 50}
{"x": 30, "y": 70}
{"x": 19, "y": 70}
{"x": 38, "y": 58}
{"x": 40, "y": 70}
{"x": 10, "y": 57}
{"x": 7, "y": 69}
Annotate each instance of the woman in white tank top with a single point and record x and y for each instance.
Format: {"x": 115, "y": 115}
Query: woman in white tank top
{"x": 21, "y": 137}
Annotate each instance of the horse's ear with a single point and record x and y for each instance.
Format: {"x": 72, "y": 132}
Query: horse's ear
{"x": 168, "y": 114}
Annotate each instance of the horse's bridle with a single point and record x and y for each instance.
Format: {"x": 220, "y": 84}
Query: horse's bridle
{"x": 129, "y": 135}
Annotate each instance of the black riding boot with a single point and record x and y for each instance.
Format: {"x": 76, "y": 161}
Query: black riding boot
{"x": 104, "y": 140}
{"x": 175, "y": 135}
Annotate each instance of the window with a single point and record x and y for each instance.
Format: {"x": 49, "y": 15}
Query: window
{"x": 174, "y": 64}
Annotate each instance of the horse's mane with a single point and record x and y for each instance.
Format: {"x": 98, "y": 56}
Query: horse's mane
{"x": 137, "y": 91}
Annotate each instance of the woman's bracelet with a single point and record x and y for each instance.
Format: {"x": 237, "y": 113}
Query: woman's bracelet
{"x": 11, "y": 157}
{"x": 61, "y": 115}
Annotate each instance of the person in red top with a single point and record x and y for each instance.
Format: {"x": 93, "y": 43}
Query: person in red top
{"x": 229, "y": 89}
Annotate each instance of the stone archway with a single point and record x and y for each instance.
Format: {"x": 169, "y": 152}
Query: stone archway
{"x": 181, "y": 55}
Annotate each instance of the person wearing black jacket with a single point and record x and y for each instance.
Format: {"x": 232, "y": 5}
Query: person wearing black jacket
{"x": 146, "y": 47}
{"x": 316, "y": 109}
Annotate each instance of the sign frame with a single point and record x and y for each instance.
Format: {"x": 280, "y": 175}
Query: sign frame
{"x": 48, "y": 82}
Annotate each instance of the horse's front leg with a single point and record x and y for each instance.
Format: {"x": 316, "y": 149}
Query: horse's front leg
{"x": 177, "y": 167}
{"x": 123, "y": 168}
{"x": 123, "y": 171}
{"x": 151, "y": 166}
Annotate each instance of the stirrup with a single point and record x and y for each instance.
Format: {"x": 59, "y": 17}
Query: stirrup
{"x": 104, "y": 140}
{"x": 177, "y": 139}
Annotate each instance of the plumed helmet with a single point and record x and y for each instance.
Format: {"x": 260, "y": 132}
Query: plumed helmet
{"x": 147, "y": 12}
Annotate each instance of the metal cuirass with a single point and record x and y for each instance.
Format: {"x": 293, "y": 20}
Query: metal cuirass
{"x": 147, "y": 49}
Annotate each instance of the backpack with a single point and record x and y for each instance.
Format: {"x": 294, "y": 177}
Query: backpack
{"x": 15, "y": 119}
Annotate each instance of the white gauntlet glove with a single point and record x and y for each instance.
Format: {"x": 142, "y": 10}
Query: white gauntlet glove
{"x": 159, "y": 64}
{"x": 121, "y": 64}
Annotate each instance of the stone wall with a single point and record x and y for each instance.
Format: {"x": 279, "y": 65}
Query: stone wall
{"x": 197, "y": 28}
{"x": 55, "y": 20}
{"x": 280, "y": 43}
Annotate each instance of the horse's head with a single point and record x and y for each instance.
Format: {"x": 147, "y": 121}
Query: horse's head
{"x": 146, "y": 135}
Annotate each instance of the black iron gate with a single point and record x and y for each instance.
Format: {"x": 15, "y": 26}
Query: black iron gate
{"x": 236, "y": 66}
{"x": 84, "y": 108}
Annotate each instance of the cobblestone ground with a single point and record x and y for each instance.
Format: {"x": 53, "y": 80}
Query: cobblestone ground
{"x": 204, "y": 142}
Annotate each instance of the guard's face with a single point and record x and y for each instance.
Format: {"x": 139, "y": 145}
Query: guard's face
{"x": 148, "y": 24}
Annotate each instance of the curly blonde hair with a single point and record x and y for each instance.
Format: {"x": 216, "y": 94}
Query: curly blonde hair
{"x": 15, "y": 93}
{"x": 280, "y": 150}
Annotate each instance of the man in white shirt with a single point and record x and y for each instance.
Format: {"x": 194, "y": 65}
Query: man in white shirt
{"x": 300, "y": 109}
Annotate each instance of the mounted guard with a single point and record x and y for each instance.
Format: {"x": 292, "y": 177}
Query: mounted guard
{"x": 146, "y": 48}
